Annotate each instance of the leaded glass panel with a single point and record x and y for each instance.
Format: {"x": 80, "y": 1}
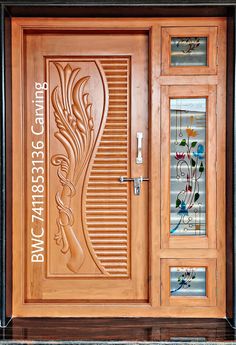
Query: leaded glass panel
{"x": 188, "y": 167}
{"x": 188, "y": 281}
{"x": 188, "y": 51}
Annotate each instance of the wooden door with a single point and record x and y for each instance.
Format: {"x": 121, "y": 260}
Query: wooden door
{"x": 94, "y": 101}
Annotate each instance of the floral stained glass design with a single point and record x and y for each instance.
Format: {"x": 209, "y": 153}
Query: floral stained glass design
{"x": 188, "y": 51}
{"x": 188, "y": 168}
{"x": 188, "y": 281}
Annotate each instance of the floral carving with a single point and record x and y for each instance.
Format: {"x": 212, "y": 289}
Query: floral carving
{"x": 74, "y": 121}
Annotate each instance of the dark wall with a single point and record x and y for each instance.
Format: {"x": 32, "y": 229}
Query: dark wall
{"x": 6, "y": 169}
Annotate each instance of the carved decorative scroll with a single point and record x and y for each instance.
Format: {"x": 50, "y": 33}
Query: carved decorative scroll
{"x": 75, "y": 124}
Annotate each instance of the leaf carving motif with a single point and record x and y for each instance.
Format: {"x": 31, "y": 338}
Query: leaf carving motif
{"x": 74, "y": 120}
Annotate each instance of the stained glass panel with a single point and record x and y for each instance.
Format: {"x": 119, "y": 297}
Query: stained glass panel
{"x": 188, "y": 51}
{"x": 188, "y": 281}
{"x": 187, "y": 171}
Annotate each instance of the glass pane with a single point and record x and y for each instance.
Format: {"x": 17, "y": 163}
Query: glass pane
{"x": 188, "y": 281}
{"x": 188, "y": 51}
{"x": 187, "y": 170}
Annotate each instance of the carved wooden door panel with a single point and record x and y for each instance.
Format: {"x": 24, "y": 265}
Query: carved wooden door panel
{"x": 84, "y": 103}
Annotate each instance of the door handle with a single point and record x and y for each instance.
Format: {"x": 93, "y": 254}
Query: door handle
{"x": 139, "y": 158}
{"x": 137, "y": 182}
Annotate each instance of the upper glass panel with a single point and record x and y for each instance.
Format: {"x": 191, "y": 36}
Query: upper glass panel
{"x": 187, "y": 171}
{"x": 188, "y": 51}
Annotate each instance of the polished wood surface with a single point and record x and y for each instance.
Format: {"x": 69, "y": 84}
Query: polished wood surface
{"x": 108, "y": 252}
{"x": 102, "y": 329}
{"x": 91, "y": 228}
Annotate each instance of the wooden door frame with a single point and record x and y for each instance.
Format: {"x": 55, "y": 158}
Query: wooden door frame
{"x": 201, "y": 86}
{"x": 102, "y": 8}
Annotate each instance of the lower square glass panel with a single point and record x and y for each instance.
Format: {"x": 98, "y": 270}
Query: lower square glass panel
{"x": 188, "y": 281}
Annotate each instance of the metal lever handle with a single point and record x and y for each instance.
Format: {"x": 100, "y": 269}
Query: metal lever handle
{"x": 139, "y": 158}
{"x": 137, "y": 182}
{"x": 127, "y": 179}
